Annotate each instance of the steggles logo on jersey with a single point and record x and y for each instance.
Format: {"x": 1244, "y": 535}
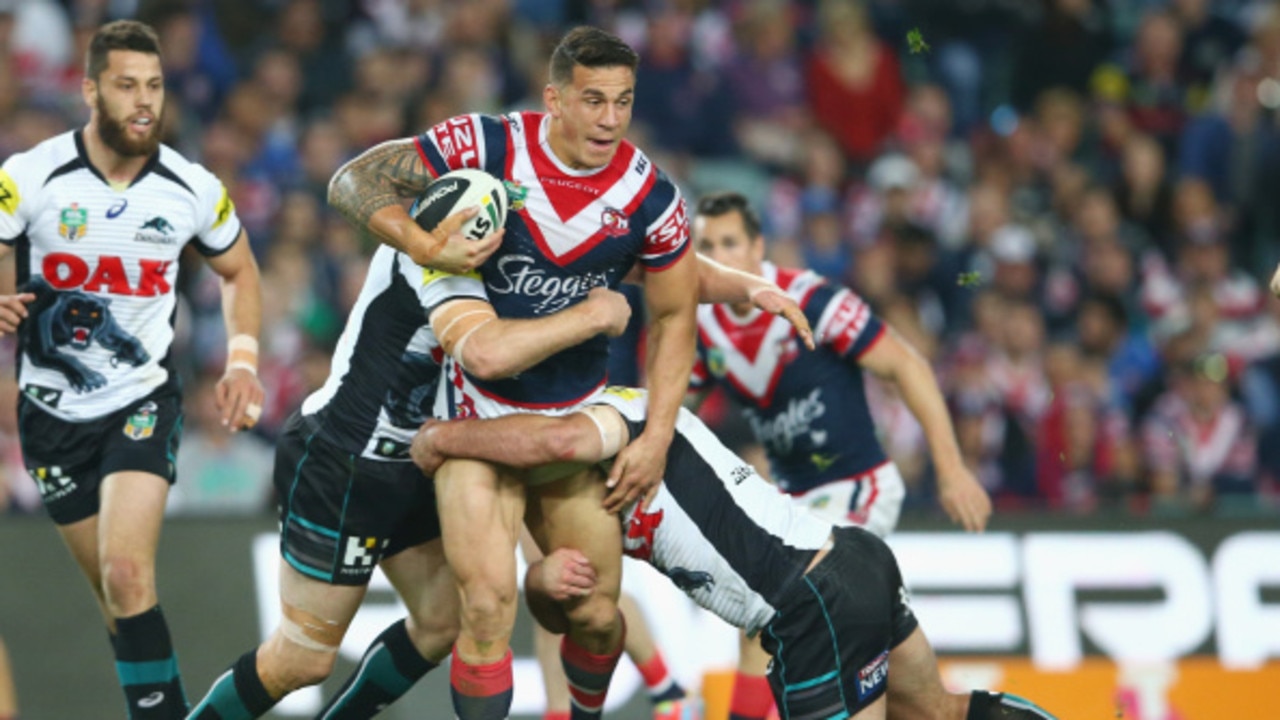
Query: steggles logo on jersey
{"x": 780, "y": 432}
{"x": 73, "y": 222}
{"x": 614, "y": 222}
{"x": 157, "y": 231}
{"x": 521, "y": 276}
{"x": 142, "y": 424}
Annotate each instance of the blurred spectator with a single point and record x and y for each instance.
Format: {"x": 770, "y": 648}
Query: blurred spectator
{"x": 1061, "y": 49}
{"x": 686, "y": 108}
{"x": 1210, "y": 41}
{"x": 219, "y": 471}
{"x": 1084, "y": 452}
{"x": 198, "y": 69}
{"x": 1128, "y": 358}
{"x": 1145, "y": 194}
{"x": 767, "y": 84}
{"x": 853, "y": 80}
{"x": 1157, "y": 98}
{"x": 18, "y": 493}
{"x": 1199, "y": 443}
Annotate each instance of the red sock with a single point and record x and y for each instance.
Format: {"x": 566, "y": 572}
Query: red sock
{"x": 655, "y": 674}
{"x": 751, "y": 697}
{"x": 588, "y": 675}
{"x": 549, "y": 715}
{"x": 481, "y": 692}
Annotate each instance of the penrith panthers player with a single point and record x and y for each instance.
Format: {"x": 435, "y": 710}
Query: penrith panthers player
{"x": 96, "y": 220}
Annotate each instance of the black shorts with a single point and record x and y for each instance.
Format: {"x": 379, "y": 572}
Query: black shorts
{"x": 69, "y": 459}
{"x": 341, "y": 514}
{"x": 833, "y": 631}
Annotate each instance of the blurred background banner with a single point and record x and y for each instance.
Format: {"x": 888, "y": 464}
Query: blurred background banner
{"x": 1093, "y": 617}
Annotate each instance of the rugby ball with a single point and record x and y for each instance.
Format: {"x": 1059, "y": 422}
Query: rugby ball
{"x": 458, "y": 190}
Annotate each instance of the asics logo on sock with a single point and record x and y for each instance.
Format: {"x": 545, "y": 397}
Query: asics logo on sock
{"x": 151, "y": 700}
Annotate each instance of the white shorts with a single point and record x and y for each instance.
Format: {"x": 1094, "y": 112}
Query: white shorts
{"x": 871, "y": 501}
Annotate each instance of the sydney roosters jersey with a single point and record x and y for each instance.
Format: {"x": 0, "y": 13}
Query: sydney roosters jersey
{"x": 568, "y": 231}
{"x": 102, "y": 261}
{"x": 808, "y": 409}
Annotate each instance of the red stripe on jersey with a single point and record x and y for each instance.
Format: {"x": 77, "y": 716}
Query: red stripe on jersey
{"x": 422, "y": 154}
{"x": 746, "y": 338}
{"x": 591, "y": 242}
{"x": 569, "y": 199}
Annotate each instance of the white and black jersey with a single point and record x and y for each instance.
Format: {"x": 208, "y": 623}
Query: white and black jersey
{"x": 720, "y": 532}
{"x": 383, "y": 377}
{"x": 102, "y": 261}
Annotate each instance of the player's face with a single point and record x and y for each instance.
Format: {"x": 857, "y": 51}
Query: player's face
{"x": 127, "y": 102}
{"x": 724, "y": 238}
{"x": 590, "y": 115}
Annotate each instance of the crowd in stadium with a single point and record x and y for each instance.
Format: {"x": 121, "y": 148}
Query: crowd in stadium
{"x": 1062, "y": 203}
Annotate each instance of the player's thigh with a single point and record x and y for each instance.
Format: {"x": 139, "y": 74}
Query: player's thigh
{"x": 915, "y": 685}
{"x": 315, "y": 614}
{"x": 570, "y": 514}
{"x": 339, "y": 513}
{"x": 481, "y": 513}
{"x": 130, "y": 517}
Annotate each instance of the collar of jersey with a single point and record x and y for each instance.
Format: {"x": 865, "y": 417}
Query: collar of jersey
{"x": 83, "y": 153}
{"x": 544, "y": 129}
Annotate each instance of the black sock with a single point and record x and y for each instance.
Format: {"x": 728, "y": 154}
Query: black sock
{"x": 238, "y": 694}
{"x": 387, "y": 671}
{"x": 147, "y": 667}
{"x": 985, "y": 705}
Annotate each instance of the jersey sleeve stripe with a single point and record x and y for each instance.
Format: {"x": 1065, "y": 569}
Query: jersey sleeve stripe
{"x": 494, "y": 145}
{"x": 170, "y": 175}
{"x": 862, "y": 348}
{"x": 431, "y": 156}
{"x": 212, "y": 252}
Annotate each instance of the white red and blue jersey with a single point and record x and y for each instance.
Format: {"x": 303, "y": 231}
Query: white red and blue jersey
{"x": 568, "y": 231}
{"x": 808, "y": 409}
{"x": 715, "y": 527}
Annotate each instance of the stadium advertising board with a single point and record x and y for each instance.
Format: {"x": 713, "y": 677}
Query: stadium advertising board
{"x": 1094, "y": 619}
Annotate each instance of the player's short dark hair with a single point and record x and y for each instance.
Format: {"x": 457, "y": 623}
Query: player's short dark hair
{"x": 589, "y": 47}
{"x": 717, "y": 204}
{"x": 119, "y": 35}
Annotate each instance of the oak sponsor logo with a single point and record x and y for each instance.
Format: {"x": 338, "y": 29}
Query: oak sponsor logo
{"x": 106, "y": 274}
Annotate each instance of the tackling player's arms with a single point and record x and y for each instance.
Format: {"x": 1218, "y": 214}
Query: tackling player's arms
{"x": 490, "y": 348}
{"x": 523, "y": 440}
{"x": 370, "y": 191}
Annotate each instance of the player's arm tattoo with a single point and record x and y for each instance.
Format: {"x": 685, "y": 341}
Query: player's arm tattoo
{"x": 381, "y": 176}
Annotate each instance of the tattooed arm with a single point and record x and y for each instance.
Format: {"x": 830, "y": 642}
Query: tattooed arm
{"x": 370, "y": 191}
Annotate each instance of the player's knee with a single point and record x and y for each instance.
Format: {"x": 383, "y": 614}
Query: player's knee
{"x": 985, "y": 705}
{"x": 596, "y": 615}
{"x": 127, "y": 584}
{"x": 433, "y": 633}
{"x": 287, "y": 663}
{"x": 486, "y": 603}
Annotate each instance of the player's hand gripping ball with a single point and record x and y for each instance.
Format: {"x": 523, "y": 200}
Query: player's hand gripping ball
{"x": 458, "y": 190}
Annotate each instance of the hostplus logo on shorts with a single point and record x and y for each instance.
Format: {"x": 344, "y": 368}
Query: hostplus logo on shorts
{"x": 362, "y": 553}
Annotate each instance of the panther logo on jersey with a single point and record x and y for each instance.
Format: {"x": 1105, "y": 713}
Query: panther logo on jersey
{"x": 76, "y": 320}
